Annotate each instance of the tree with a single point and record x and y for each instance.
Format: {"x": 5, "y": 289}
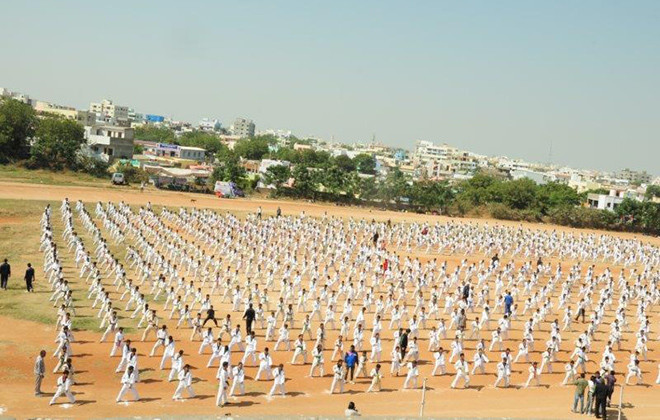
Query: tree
{"x": 366, "y": 164}
{"x": 57, "y": 143}
{"x": 154, "y": 133}
{"x": 17, "y": 125}
{"x": 132, "y": 174}
{"x": 394, "y": 187}
{"x": 230, "y": 170}
{"x": 519, "y": 194}
{"x": 652, "y": 191}
{"x": 345, "y": 163}
{"x": 303, "y": 186}
{"x": 277, "y": 175}
{"x": 207, "y": 141}
{"x": 431, "y": 195}
{"x": 254, "y": 149}
{"x": 367, "y": 188}
{"x": 555, "y": 194}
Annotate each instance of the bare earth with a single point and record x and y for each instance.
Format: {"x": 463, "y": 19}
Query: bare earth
{"x": 98, "y": 385}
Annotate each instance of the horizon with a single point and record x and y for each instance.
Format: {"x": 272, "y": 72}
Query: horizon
{"x": 508, "y": 79}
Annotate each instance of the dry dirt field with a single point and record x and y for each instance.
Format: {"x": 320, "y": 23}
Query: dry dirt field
{"x": 97, "y": 387}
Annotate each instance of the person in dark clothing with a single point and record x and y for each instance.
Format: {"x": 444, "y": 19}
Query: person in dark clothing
{"x": 600, "y": 394}
{"x": 249, "y": 316}
{"x": 279, "y": 212}
{"x": 5, "y": 273}
{"x": 610, "y": 380}
{"x": 403, "y": 343}
{"x": 375, "y": 238}
{"x": 466, "y": 291}
{"x": 29, "y": 278}
{"x": 351, "y": 360}
{"x": 210, "y": 316}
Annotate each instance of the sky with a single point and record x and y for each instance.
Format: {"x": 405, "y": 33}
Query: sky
{"x": 569, "y": 82}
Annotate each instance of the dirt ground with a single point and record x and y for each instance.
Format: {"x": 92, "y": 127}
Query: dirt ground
{"x": 98, "y": 385}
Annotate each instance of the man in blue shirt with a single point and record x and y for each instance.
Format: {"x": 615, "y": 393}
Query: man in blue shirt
{"x": 508, "y": 301}
{"x": 351, "y": 360}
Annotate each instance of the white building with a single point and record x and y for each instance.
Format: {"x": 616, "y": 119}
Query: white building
{"x": 107, "y": 111}
{"x": 605, "y": 201}
{"x": 427, "y": 151}
{"x": 109, "y": 142}
{"x": 206, "y": 124}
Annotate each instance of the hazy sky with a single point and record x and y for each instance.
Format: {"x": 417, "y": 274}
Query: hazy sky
{"x": 494, "y": 77}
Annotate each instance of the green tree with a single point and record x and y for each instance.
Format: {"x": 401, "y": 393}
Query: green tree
{"x": 304, "y": 185}
{"x": 230, "y": 170}
{"x": 17, "y": 125}
{"x": 207, "y": 141}
{"x": 431, "y": 195}
{"x": 367, "y": 188}
{"x": 155, "y": 134}
{"x": 519, "y": 194}
{"x": 345, "y": 163}
{"x": 57, "y": 143}
{"x": 652, "y": 191}
{"x": 254, "y": 148}
{"x": 277, "y": 175}
{"x": 132, "y": 174}
{"x": 394, "y": 187}
{"x": 366, "y": 164}
{"x": 555, "y": 194}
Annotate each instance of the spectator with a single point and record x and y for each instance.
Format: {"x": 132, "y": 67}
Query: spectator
{"x": 351, "y": 411}
{"x": 580, "y": 385}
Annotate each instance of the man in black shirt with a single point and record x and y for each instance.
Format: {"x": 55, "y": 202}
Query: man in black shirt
{"x": 403, "y": 343}
{"x": 5, "y": 272}
{"x": 210, "y": 316}
{"x": 600, "y": 394}
{"x": 29, "y": 278}
{"x": 249, "y": 316}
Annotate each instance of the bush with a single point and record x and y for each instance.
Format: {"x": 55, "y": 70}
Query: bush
{"x": 132, "y": 174}
{"x": 92, "y": 166}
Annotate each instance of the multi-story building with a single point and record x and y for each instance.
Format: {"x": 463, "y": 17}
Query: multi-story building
{"x": 426, "y": 151}
{"x": 109, "y": 142}
{"x": 6, "y": 93}
{"x": 243, "y": 128}
{"x": 109, "y": 112}
{"x": 635, "y": 177}
{"x": 85, "y": 118}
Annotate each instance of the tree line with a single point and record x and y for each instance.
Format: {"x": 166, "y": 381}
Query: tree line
{"x": 53, "y": 142}
{"x": 46, "y": 142}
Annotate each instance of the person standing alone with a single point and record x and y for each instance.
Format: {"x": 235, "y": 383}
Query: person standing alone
{"x": 29, "y": 278}
{"x": 5, "y": 273}
{"x": 39, "y": 371}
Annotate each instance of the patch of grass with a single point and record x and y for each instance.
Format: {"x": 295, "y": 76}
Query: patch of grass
{"x": 17, "y": 173}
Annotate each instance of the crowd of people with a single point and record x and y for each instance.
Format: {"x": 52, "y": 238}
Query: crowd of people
{"x": 366, "y": 298}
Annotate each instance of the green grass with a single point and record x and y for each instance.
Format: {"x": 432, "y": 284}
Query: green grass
{"x": 16, "y": 173}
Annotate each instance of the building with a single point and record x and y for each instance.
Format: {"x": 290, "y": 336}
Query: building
{"x": 108, "y": 112}
{"x": 85, "y": 118}
{"x": 206, "y": 124}
{"x": 243, "y": 128}
{"x": 154, "y": 119}
{"x": 109, "y": 142}
{"x": 168, "y": 150}
{"x": 635, "y": 177}
{"x": 427, "y": 151}
{"x": 605, "y": 201}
